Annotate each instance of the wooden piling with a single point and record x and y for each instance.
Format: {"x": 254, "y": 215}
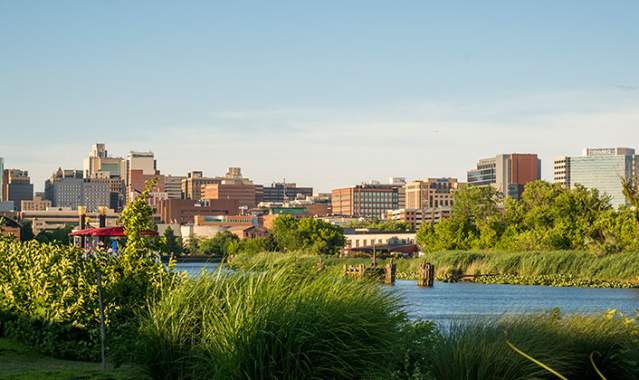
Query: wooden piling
{"x": 390, "y": 270}
{"x": 425, "y": 275}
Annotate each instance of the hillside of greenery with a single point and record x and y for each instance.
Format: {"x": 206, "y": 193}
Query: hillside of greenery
{"x": 548, "y": 217}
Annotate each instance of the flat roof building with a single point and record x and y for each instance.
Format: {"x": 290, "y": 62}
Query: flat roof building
{"x": 365, "y": 201}
{"x": 17, "y": 187}
{"x": 507, "y": 173}
{"x": 599, "y": 168}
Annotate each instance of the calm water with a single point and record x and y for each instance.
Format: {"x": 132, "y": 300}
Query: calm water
{"x": 447, "y": 302}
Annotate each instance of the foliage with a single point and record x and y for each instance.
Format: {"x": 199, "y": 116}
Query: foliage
{"x": 26, "y": 231}
{"x": 382, "y": 225}
{"x": 169, "y": 243}
{"x": 272, "y": 325}
{"x": 548, "y": 217}
{"x": 254, "y": 246}
{"x": 219, "y": 245}
{"x": 480, "y": 350}
{"x": 48, "y": 292}
{"x": 311, "y": 234}
{"x": 59, "y": 235}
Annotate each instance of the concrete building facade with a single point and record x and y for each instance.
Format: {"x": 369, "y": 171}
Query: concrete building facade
{"x": 283, "y": 192}
{"x": 599, "y": 168}
{"x": 17, "y": 187}
{"x": 365, "y": 201}
{"x": 507, "y": 173}
{"x": 183, "y": 211}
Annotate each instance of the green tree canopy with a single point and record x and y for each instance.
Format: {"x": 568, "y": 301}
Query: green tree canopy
{"x": 547, "y": 217}
{"x": 311, "y": 234}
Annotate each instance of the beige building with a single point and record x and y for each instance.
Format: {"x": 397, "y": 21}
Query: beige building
{"x": 55, "y": 218}
{"x": 99, "y": 165}
{"x": 430, "y": 193}
{"x": 561, "y": 170}
{"x": 37, "y": 204}
{"x": 192, "y": 185}
{"x": 418, "y": 216}
{"x": 364, "y": 238}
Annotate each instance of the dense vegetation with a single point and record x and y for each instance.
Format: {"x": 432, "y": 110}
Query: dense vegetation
{"x": 548, "y": 217}
{"x": 48, "y": 291}
{"x": 280, "y": 324}
{"x": 555, "y": 268}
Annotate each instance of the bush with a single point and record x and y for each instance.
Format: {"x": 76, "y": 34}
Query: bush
{"x": 274, "y": 324}
{"x": 48, "y": 296}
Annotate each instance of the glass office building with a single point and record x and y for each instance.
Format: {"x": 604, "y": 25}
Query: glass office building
{"x": 603, "y": 169}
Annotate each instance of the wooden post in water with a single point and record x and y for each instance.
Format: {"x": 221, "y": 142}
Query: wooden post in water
{"x": 389, "y": 273}
{"x": 425, "y": 275}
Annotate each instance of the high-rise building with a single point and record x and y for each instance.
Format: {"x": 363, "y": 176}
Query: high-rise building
{"x": 599, "y": 168}
{"x": 366, "y": 200}
{"x": 561, "y": 168}
{"x": 99, "y": 165}
{"x": 17, "y": 187}
{"x": 430, "y": 193}
{"x": 173, "y": 186}
{"x": 140, "y": 168}
{"x": 281, "y": 192}
{"x": 192, "y": 184}
{"x": 508, "y": 173}
{"x": 68, "y": 189}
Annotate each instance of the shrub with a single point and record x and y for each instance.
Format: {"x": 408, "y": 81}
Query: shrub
{"x": 274, "y": 324}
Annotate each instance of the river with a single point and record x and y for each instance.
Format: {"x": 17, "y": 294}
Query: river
{"x": 446, "y": 302}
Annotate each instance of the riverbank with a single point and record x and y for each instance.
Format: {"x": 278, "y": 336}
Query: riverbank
{"x": 551, "y": 268}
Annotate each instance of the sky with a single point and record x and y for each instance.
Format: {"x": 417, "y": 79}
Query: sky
{"x": 325, "y": 93}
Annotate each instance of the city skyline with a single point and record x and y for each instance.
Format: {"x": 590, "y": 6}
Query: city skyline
{"x": 325, "y": 96}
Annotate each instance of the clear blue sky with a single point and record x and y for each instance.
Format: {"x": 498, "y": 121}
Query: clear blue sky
{"x": 323, "y": 93}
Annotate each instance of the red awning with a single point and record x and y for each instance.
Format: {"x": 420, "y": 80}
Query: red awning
{"x": 107, "y": 232}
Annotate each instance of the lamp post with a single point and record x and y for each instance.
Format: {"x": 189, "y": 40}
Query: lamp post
{"x": 102, "y": 224}
{"x": 82, "y": 215}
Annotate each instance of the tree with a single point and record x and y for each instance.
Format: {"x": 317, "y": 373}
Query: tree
{"x": 219, "y": 245}
{"x": 59, "y": 235}
{"x": 137, "y": 219}
{"x": 26, "y": 231}
{"x": 311, "y": 234}
{"x": 630, "y": 189}
{"x": 169, "y": 243}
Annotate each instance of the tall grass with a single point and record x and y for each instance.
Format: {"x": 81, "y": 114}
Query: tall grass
{"x": 621, "y": 267}
{"x": 276, "y": 324}
{"x": 480, "y": 351}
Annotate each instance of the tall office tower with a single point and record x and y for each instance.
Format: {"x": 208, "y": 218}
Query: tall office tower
{"x": 192, "y": 184}
{"x": 173, "y": 186}
{"x": 599, "y": 168}
{"x": 371, "y": 200}
{"x": 508, "y": 173}
{"x": 111, "y": 170}
{"x": 17, "y": 187}
{"x": 141, "y": 167}
{"x": 99, "y": 165}
{"x": 561, "y": 171}
{"x": 68, "y": 189}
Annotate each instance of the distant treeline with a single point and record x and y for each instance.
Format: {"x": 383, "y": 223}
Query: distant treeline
{"x": 548, "y": 217}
